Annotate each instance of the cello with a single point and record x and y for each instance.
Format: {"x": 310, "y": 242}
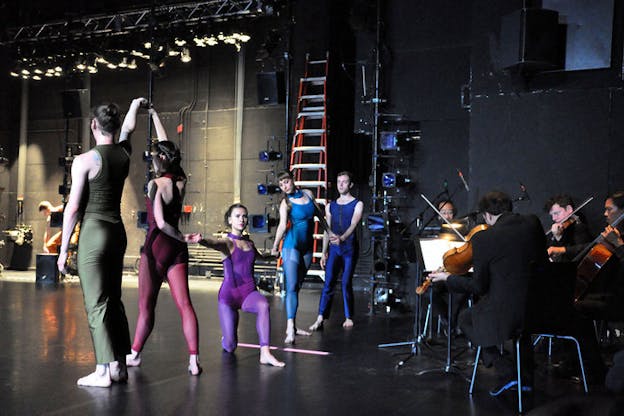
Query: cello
{"x": 593, "y": 259}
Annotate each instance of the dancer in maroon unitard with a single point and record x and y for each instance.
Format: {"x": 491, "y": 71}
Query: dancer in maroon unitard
{"x": 165, "y": 253}
{"x": 238, "y": 290}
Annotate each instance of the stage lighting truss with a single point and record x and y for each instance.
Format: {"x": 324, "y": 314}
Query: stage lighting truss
{"x": 184, "y": 24}
{"x": 394, "y": 180}
{"x": 398, "y": 140}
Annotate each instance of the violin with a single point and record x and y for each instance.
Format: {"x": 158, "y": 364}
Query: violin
{"x": 457, "y": 260}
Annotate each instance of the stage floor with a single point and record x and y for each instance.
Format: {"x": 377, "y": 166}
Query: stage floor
{"x": 45, "y": 347}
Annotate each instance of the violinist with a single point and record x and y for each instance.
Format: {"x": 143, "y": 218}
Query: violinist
{"x": 504, "y": 256}
{"x": 568, "y": 234}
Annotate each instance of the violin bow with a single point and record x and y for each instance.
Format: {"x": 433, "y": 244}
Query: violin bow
{"x": 445, "y": 220}
{"x": 587, "y": 201}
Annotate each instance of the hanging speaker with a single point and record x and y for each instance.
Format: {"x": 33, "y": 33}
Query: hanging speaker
{"x": 75, "y": 103}
{"x": 532, "y": 39}
{"x": 271, "y": 88}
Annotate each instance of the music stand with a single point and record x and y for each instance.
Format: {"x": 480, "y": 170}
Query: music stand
{"x": 433, "y": 248}
{"x": 430, "y": 253}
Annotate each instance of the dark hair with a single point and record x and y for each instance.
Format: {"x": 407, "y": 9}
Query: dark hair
{"x": 618, "y": 199}
{"x": 495, "y": 203}
{"x": 443, "y": 202}
{"x": 346, "y": 173}
{"x": 45, "y": 205}
{"x": 107, "y": 117}
{"x": 285, "y": 174}
{"x": 228, "y": 213}
{"x": 172, "y": 154}
{"x": 563, "y": 200}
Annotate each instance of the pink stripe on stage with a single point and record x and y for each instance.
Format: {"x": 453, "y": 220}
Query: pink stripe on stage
{"x": 313, "y": 352}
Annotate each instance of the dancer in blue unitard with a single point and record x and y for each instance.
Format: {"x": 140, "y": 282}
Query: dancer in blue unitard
{"x": 343, "y": 216}
{"x": 299, "y": 207}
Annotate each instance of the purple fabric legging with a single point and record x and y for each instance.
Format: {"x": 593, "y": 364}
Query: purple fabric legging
{"x": 254, "y": 302}
{"x": 149, "y": 287}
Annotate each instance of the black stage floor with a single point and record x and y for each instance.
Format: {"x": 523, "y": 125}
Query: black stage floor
{"x": 45, "y": 347}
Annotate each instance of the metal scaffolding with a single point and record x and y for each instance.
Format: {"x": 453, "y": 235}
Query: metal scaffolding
{"x": 125, "y": 22}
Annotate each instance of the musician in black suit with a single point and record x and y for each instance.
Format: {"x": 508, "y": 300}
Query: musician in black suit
{"x": 504, "y": 258}
{"x": 568, "y": 234}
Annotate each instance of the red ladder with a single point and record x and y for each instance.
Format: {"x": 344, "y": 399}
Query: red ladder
{"x": 308, "y": 157}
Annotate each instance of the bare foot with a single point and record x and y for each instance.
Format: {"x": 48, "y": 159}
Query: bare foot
{"x": 269, "y": 359}
{"x": 302, "y": 332}
{"x": 290, "y": 335}
{"x": 99, "y": 378}
{"x": 348, "y": 323}
{"x": 317, "y": 325}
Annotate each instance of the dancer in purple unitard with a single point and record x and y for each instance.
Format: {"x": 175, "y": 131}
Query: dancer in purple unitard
{"x": 238, "y": 290}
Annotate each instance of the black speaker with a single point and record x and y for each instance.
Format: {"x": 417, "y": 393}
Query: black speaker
{"x": 75, "y": 103}
{"x": 271, "y": 88}
{"x": 47, "y": 271}
{"x": 531, "y": 39}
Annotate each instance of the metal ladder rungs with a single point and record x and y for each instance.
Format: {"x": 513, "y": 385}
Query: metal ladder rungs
{"x": 321, "y": 61}
{"x": 312, "y": 115}
{"x": 311, "y": 183}
{"x": 309, "y": 149}
{"x": 312, "y": 97}
{"x": 309, "y": 166}
{"x": 317, "y": 80}
{"x": 313, "y": 108}
{"x": 310, "y": 132}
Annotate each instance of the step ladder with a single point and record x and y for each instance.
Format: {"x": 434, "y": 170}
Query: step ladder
{"x": 308, "y": 157}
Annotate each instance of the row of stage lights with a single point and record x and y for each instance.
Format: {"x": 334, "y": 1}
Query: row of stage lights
{"x": 39, "y": 67}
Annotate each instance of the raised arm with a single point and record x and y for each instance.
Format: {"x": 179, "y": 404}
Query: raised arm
{"x": 129, "y": 122}
{"x": 160, "y": 130}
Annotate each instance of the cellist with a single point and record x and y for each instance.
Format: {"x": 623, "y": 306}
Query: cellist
{"x": 604, "y": 297}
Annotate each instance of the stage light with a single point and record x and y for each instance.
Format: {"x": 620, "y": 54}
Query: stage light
{"x": 394, "y": 180}
{"x": 268, "y": 189}
{"x": 185, "y": 56}
{"x": 396, "y": 140}
{"x": 270, "y": 156}
{"x": 376, "y": 223}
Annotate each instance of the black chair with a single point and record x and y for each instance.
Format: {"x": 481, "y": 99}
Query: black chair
{"x": 550, "y": 306}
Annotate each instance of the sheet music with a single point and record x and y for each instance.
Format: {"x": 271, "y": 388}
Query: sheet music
{"x": 433, "y": 250}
